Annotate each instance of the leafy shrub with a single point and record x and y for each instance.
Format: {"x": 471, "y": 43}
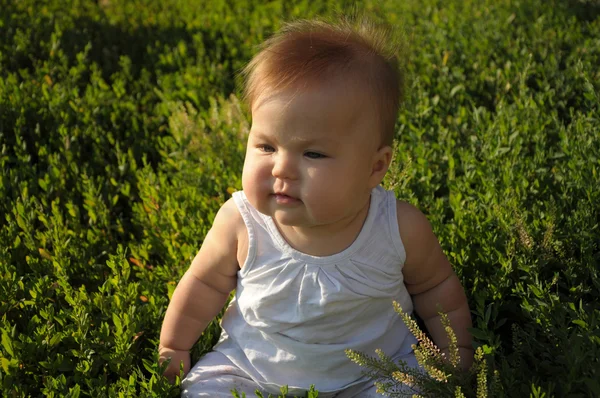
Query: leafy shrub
{"x": 438, "y": 375}
{"x": 121, "y": 134}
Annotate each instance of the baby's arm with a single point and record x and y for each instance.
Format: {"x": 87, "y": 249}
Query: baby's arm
{"x": 430, "y": 280}
{"x": 203, "y": 289}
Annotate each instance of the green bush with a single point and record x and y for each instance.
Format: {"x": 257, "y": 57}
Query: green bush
{"x": 121, "y": 134}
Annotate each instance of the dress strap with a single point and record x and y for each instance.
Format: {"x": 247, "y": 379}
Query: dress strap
{"x": 243, "y": 206}
{"x": 391, "y": 208}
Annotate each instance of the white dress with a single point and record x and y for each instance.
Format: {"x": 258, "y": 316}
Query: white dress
{"x": 294, "y": 314}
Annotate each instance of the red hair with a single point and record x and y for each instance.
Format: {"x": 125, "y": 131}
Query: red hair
{"x": 313, "y": 52}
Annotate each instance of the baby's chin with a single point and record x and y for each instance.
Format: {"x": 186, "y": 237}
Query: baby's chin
{"x": 297, "y": 221}
{"x": 285, "y": 219}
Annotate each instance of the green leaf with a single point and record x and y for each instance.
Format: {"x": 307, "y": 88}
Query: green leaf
{"x": 117, "y": 322}
{"x": 74, "y": 392}
{"x": 5, "y": 362}
{"x": 581, "y": 323}
{"x": 7, "y": 343}
{"x": 536, "y": 291}
{"x": 21, "y": 223}
{"x": 456, "y": 89}
{"x": 149, "y": 365}
{"x": 478, "y": 333}
{"x": 55, "y": 339}
{"x": 43, "y": 184}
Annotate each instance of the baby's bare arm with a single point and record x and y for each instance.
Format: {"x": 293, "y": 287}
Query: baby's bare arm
{"x": 432, "y": 283}
{"x": 205, "y": 287}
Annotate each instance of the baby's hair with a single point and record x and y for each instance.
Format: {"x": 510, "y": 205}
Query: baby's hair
{"x": 308, "y": 53}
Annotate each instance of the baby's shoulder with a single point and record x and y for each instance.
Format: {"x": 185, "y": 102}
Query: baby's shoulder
{"x": 415, "y": 230}
{"x": 228, "y": 221}
{"x": 426, "y": 264}
{"x": 409, "y": 215}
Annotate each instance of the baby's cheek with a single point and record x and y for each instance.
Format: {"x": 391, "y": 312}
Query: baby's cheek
{"x": 249, "y": 174}
{"x": 245, "y": 180}
{"x": 323, "y": 202}
{"x": 253, "y": 184}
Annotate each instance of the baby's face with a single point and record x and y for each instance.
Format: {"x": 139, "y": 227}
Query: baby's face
{"x": 310, "y": 155}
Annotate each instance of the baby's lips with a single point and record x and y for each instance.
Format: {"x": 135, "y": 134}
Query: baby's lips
{"x": 285, "y": 199}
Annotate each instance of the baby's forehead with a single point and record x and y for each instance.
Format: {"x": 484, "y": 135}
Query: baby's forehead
{"x": 334, "y": 102}
{"x": 339, "y": 90}
{"x": 318, "y": 108}
{"x": 335, "y": 105}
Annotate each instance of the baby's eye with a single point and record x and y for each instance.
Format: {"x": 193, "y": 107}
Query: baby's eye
{"x": 266, "y": 148}
{"x": 314, "y": 155}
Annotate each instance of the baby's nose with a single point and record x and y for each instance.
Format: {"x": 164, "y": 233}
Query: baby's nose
{"x": 284, "y": 167}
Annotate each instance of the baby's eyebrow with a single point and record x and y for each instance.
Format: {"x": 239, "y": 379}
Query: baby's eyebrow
{"x": 259, "y": 135}
{"x": 311, "y": 141}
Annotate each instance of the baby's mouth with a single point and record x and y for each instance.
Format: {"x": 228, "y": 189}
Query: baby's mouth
{"x": 282, "y": 198}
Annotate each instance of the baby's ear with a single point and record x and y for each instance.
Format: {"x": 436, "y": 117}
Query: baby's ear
{"x": 380, "y": 165}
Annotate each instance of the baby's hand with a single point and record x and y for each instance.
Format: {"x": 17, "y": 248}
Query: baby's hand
{"x": 177, "y": 356}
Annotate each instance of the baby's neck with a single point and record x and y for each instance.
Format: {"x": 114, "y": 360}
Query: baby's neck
{"x": 325, "y": 240}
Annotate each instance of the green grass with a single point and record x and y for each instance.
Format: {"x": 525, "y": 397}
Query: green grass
{"x": 121, "y": 134}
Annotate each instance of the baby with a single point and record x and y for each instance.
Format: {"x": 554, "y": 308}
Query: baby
{"x": 315, "y": 248}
